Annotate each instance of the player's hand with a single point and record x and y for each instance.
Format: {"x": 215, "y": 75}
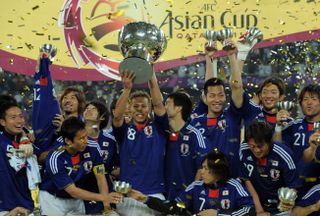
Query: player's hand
{"x": 18, "y": 211}
{"x": 137, "y": 195}
{"x": 209, "y": 212}
{"x": 57, "y": 122}
{"x": 282, "y": 116}
{"x": 127, "y": 78}
{"x": 228, "y": 42}
{"x": 314, "y": 140}
{"x": 113, "y": 197}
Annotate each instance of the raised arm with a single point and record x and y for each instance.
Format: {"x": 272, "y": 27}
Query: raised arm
{"x": 127, "y": 78}
{"x": 235, "y": 77}
{"x": 156, "y": 96}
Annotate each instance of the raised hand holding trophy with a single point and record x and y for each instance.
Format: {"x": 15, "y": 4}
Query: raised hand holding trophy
{"x": 141, "y": 44}
{"x": 222, "y": 36}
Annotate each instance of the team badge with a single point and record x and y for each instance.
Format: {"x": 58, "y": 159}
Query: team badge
{"x": 104, "y": 154}
{"x": 184, "y": 149}
{"x": 222, "y": 124}
{"x": 148, "y": 130}
{"x": 185, "y": 137}
{"x": 87, "y": 166}
{"x": 275, "y": 174}
{"x": 225, "y": 203}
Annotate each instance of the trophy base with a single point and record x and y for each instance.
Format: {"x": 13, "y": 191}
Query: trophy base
{"x": 140, "y": 67}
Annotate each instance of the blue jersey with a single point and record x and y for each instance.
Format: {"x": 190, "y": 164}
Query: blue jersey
{"x": 63, "y": 169}
{"x": 109, "y": 153}
{"x": 200, "y": 109}
{"x": 222, "y": 133}
{"x": 250, "y": 111}
{"x": 14, "y": 185}
{"x": 142, "y": 154}
{"x": 180, "y": 161}
{"x": 310, "y": 198}
{"x": 229, "y": 197}
{"x": 44, "y": 108}
{"x": 269, "y": 174}
{"x": 296, "y": 136}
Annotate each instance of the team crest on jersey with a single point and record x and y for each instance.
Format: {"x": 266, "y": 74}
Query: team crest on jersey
{"x": 86, "y": 155}
{"x": 225, "y": 203}
{"x": 185, "y": 137}
{"x": 148, "y": 130}
{"x": 87, "y": 166}
{"x": 105, "y": 144}
{"x": 104, "y": 154}
{"x": 184, "y": 149}
{"x": 222, "y": 124}
{"x": 275, "y": 174}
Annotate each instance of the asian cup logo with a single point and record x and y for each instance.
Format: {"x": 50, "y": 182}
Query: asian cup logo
{"x": 90, "y": 29}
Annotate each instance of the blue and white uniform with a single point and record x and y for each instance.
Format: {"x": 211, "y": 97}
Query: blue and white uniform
{"x": 270, "y": 173}
{"x": 180, "y": 162}
{"x": 230, "y": 198}
{"x": 14, "y": 189}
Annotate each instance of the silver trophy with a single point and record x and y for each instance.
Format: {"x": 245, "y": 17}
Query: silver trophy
{"x": 286, "y": 105}
{"x": 122, "y": 187}
{"x": 50, "y": 50}
{"x": 224, "y": 34}
{"x": 141, "y": 44}
{"x": 251, "y": 35}
{"x": 210, "y": 36}
{"x": 316, "y": 127}
{"x": 287, "y": 196}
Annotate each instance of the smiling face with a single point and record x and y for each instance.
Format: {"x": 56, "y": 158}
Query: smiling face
{"x": 13, "y": 121}
{"x": 215, "y": 99}
{"x": 310, "y": 105}
{"x": 270, "y": 96}
{"x": 139, "y": 109}
{"x": 70, "y": 104}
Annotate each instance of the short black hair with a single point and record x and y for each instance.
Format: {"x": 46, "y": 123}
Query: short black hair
{"x": 313, "y": 89}
{"x": 70, "y": 127}
{"x": 260, "y": 131}
{"x": 182, "y": 99}
{"x": 102, "y": 112}
{"x": 218, "y": 165}
{"x": 6, "y": 102}
{"x": 213, "y": 82}
{"x": 275, "y": 81}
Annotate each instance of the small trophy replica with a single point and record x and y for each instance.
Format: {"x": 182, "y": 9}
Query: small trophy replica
{"x": 50, "y": 50}
{"x": 210, "y": 36}
{"x": 316, "y": 127}
{"x": 286, "y": 105}
{"x": 224, "y": 34}
{"x": 287, "y": 196}
{"x": 122, "y": 187}
{"x": 141, "y": 44}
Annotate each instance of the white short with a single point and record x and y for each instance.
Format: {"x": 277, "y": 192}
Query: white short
{"x": 52, "y": 205}
{"x": 131, "y": 207}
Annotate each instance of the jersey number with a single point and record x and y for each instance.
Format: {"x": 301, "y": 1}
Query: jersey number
{"x": 36, "y": 94}
{"x": 250, "y": 168}
{"x": 203, "y": 200}
{"x": 299, "y": 139}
